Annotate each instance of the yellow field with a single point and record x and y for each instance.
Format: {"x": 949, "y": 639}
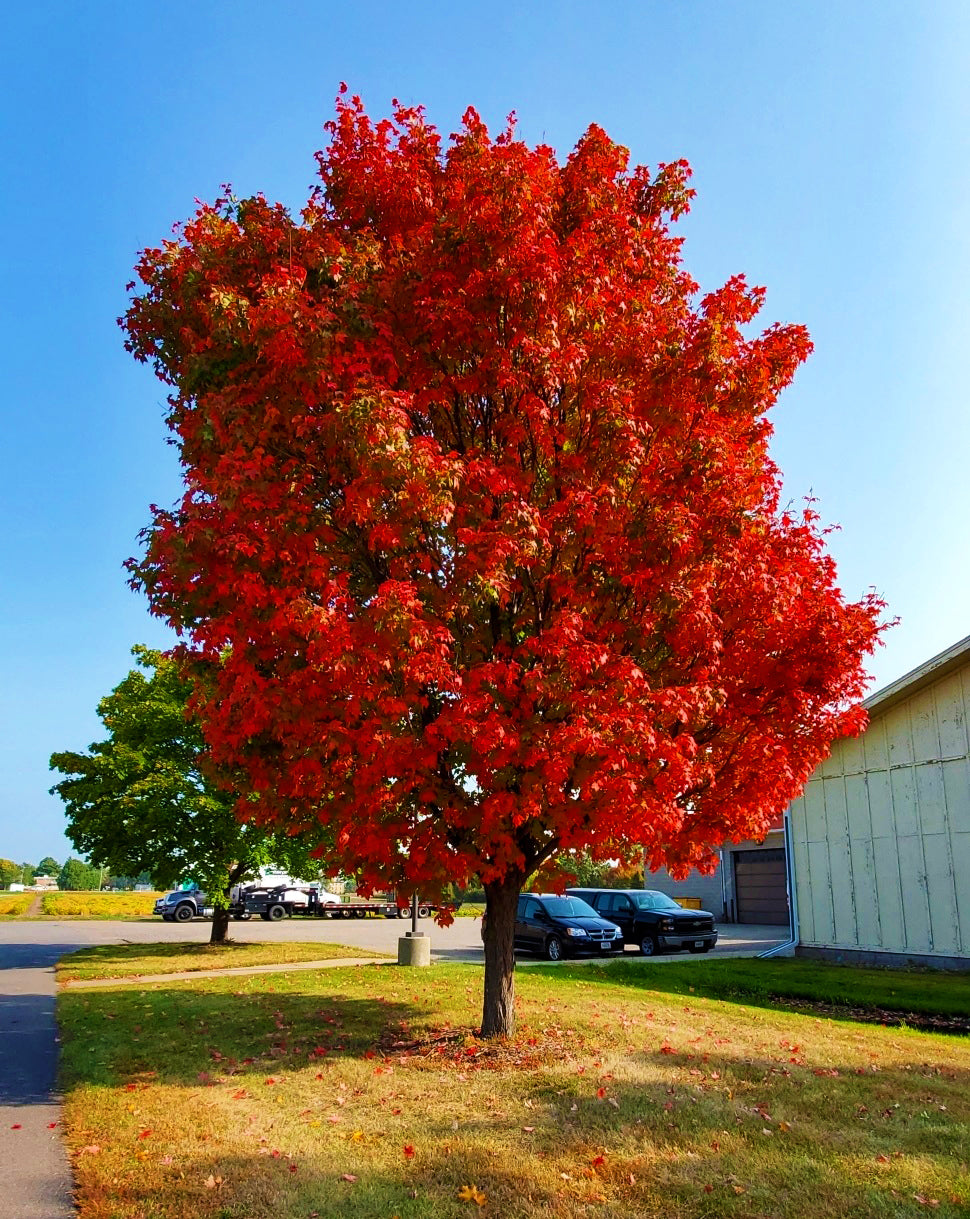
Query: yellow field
{"x": 99, "y": 905}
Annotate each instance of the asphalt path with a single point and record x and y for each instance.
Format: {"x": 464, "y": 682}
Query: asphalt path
{"x": 34, "y": 1174}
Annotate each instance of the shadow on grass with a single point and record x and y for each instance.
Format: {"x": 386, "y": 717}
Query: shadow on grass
{"x": 173, "y": 1034}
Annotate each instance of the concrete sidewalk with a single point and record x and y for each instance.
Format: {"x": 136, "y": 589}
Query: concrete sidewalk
{"x": 35, "y": 1178}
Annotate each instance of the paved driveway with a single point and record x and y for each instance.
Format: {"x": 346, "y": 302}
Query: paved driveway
{"x": 460, "y": 942}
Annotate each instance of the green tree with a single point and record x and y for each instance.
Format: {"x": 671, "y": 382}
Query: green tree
{"x": 27, "y": 873}
{"x": 77, "y": 875}
{"x": 143, "y": 799}
{"x": 48, "y": 866}
{"x": 9, "y": 872}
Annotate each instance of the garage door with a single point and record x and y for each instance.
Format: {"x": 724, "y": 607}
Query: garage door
{"x": 759, "y": 885}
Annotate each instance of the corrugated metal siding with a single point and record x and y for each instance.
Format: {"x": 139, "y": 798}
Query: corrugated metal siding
{"x": 881, "y": 834}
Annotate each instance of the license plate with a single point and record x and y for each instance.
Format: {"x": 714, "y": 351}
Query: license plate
{"x": 604, "y": 946}
{"x": 698, "y": 943}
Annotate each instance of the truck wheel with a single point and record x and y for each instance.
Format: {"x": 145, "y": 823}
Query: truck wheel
{"x": 649, "y": 946}
{"x": 275, "y": 913}
{"x": 360, "y": 913}
{"x": 403, "y": 912}
{"x": 423, "y": 911}
{"x": 346, "y": 914}
{"x": 184, "y": 912}
{"x": 553, "y": 949}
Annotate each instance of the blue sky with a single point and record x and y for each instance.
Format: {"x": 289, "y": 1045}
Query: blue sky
{"x": 830, "y": 150}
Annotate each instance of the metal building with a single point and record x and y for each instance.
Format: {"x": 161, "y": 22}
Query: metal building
{"x": 880, "y": 837}
{"x": 749, "y": 885}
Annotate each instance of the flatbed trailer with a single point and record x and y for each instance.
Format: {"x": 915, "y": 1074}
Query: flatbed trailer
{"x": 273, "y": 905}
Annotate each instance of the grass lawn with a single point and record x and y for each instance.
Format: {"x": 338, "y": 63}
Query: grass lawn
{"x": 877, "y": 993}
{"x": 13, "y": 905}
{"x": 363, "y": 1092}
{"x": 99, "y": 905}
{"x": 135, "y": 960}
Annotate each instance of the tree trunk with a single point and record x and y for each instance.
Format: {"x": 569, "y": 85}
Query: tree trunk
{"x": 220, "y": 925}
{"x": 498, "y": 1011}
{"x": 220, "y": 914}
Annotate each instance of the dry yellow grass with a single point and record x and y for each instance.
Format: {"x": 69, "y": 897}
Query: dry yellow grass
{"x": 363, "y": 1093}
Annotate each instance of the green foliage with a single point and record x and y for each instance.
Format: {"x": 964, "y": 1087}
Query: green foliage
{"x": 76, "y": 876}
{"x": 48, "y": 866}
{"x": 9, "y": 873}
{"x": 28, "y": 872}
{"x": 142, "y": 800}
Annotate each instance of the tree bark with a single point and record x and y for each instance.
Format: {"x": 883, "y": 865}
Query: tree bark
{"x": 220, "y": 925}
{"x": 498, "y": 1010}
{"x": 220, "y": 914}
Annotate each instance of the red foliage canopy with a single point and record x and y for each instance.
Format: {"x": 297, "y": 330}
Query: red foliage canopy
{"x": 479, "y": 512}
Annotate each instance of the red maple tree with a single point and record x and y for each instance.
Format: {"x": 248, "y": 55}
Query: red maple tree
{"x": 480, "y": 518}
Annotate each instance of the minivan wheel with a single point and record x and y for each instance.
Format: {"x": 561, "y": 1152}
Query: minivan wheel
{"x": 648, "y": 946}
{"x": 183, "y": 913}
{"x": 553, "y": 949}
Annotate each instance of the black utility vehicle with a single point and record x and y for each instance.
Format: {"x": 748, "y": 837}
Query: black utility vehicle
{"x": 651, "y": 920}
{"x": 556, "y": 927}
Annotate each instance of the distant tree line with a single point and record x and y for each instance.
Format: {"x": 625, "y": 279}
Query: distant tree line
{"x": 72, "y": 875}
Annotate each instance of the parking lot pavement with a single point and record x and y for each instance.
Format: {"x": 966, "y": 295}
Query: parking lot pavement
{"x": 459, "y": 942}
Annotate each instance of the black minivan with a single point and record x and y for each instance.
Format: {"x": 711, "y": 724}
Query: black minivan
{"x": 652, "y": 920}
{"x": 557, "y": 927}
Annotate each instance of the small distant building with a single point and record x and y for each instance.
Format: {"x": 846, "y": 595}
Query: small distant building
{"x": 16, "y": 887}
{"x": 44, "y": 884}
{"x": 881, "y": 834}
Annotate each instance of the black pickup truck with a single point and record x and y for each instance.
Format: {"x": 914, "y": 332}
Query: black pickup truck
{"x": 651, "y": 920}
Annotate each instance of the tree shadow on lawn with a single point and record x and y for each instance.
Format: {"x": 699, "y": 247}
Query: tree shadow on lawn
{"x": 174, "y": 1032}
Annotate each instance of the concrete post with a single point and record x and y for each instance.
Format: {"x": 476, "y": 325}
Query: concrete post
{"x": 414, "y": 949}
